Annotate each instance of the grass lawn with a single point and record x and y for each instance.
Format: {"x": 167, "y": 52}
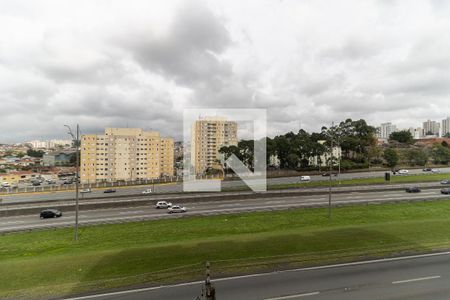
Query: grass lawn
{"x": 360, "y": 181}
{"x": 49, "y": 263}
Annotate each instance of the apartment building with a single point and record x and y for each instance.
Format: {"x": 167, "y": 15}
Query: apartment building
{"x": 125, "y": 154}
{"x": 385, "y": 130}
{"x": 431, "y": 128}
{"x": 446, "y": 126}
{"x": 209, "y": 134}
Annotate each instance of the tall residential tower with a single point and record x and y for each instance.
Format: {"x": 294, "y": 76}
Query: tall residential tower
{"x": 209, "y": 134}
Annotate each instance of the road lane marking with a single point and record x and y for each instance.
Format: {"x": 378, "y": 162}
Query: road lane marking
{"x": 416, "y": 279}
{"x": 293, "y": 296}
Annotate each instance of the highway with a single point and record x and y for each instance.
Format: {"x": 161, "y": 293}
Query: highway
{"x": 408, "y": 278}
{"x": 204, "y": 207}
{"x": 177, "y": 187}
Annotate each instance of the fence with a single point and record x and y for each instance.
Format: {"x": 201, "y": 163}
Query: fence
{"x": 99, "y": 184}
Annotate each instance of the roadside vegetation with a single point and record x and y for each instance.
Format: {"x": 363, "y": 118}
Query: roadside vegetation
{"x": 49, "y": 263}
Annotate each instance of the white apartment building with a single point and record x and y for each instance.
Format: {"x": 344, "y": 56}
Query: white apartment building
{"x": 446, "y": 126}
{"x": 385, "y": 130}
{"x": 431, "y": 128}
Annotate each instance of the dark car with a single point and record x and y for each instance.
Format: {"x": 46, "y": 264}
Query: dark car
{"x": 36, "y": 183}
{"x": 108, "y": 191}
{"x": 427, "y": 170}
{"x": 446, "y": 181}
{"x": 413, "y": 189}
{"x": 50, "y": 213}
{"x": 445, "y": 191}
{"x": 326, "y": 174}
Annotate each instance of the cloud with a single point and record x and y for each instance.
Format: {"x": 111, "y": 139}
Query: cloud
{"x": 112, "y": 63}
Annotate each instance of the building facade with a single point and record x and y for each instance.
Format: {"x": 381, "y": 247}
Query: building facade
{"x": 385, "y": 130}
{"x": 209, "y": 134}
{"x": 125, "y": 154}
{"x": 446, "y": 126}
{"x": 59, "y": 158}
{"x": 431, "y": 128}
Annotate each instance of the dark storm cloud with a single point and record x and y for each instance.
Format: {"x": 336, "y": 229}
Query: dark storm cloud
{"x": 188, "y": 52}
{"x": 113, "y": 63}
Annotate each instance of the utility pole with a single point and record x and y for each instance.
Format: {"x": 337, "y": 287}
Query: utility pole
{"x": 76, "y": 140}
{"x": 331, "y": 170}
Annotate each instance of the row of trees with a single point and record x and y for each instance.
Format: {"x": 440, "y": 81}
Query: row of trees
{"x": 294, "y": 150}
{"x": 358, "y": 143}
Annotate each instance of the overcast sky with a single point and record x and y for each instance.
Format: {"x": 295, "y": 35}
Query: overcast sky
{"x": 140, "y": 63}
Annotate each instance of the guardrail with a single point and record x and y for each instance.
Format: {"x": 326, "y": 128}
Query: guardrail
{"x": 139, "y": 199}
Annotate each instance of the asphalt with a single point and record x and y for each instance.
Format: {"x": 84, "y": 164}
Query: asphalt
{"x": 206, "y": 208}
{"x": 178, "y": 187}
{"x": 408, "y": 278}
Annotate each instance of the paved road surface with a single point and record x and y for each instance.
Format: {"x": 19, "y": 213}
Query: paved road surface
{"x": 148, "y": 212}
{"x": 418, "y": 277}
{"x": 177, "y": 187}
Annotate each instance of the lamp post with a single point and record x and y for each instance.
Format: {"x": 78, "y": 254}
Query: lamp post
{"x": 76, "y": 140}
{"x": 331, "y": 132}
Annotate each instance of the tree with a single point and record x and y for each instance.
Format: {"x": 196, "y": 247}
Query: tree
{"x": 35, "y": 153}
{"x": 417, "y": 157}
{"x": 440, "y": 154}
{"x": 403, "y": 136}
{"x": 391, "y": 157}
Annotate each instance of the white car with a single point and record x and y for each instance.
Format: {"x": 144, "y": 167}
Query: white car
{"x": 435, "y": 171}
{"x": 163, "y": 204}
{"x": 147, "y": 191}
{"x": 403, "y": 172}
{"x": 85, "y": 191}
{"x": 305, "y": 178}
{"x": 176, "y": 209}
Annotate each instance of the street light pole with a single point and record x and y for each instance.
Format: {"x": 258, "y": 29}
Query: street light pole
{"x": 77, "y": 176}
{"x": 331, "y": 171}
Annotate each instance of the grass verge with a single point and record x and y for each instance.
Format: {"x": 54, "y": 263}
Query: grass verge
{"x": 353, "y": 182}
{"x": 49, "y": 263}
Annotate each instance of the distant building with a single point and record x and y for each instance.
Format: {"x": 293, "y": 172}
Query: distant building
{"x": 385, "y": 130}
{"x": 125, "y": 154}
{"x": 431, "y": 128}
{"x": 209, "y": 134}
{"x": 323, "y": 160}
{"x": 58, "y": 158}
{"x": 416, "y": 133}
{"x": 446, "y": 126}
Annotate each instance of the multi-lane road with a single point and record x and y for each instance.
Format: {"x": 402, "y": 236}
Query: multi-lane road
{"x": 407, "y": 278}
{"x": 178, "y": 187}
{"x": 198, "y": 206}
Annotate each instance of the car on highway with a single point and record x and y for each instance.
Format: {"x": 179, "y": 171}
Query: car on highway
{"x": 163, "y": 204}
{"x": 50, "y": 213}
{"x": 435, "y": 171}
{"x": 402, "y": 172}
{"x": 445, "y": 191}
{"x": 5, "y": 185}
{"x": 176, "y": 209}
{"x": 413, "y": 189}
{"x": 147, "y": 191}
{"x": 84, "y": 191}
{"x": 305, "y": 178}
{"x": 36, "y": 183}
{"x": 427, "y": 169}
{"x": 109, "y": 191}
{"x": 445, "y": 181}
